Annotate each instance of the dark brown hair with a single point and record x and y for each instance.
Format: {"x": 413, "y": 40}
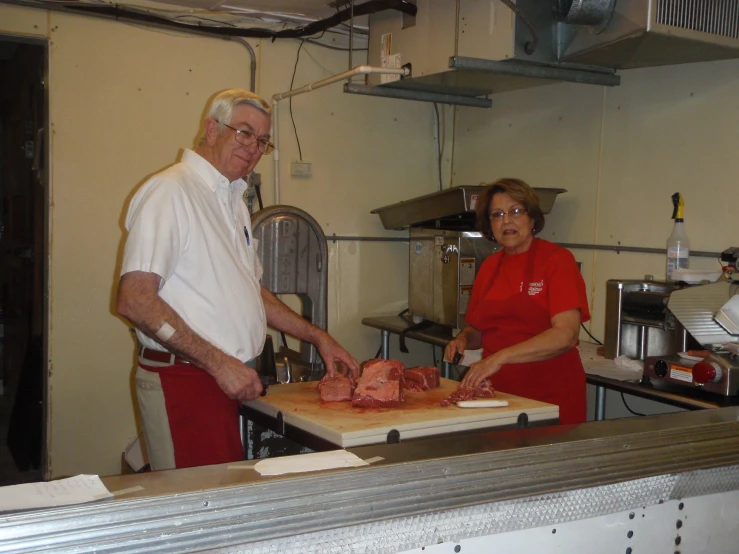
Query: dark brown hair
{"x": 516, "y": 189}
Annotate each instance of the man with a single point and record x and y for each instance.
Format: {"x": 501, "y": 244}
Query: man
{"x": 190, "y": 285}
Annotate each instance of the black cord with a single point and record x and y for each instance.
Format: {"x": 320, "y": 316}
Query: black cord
{"x": 591, "y": 336}
{"x": 623, "y": 399}
{"x": 297, "y": 59}
{"x": 433, "y": 351}
{"x": 379, "y": 350}
{"x": 438, "y": 142}
{"x": 258, "y": 190}
{"x": 127, "y": 15}
{"x": 201, "y": 18}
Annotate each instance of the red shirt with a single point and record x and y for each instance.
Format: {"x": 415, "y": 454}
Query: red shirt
{"x": 527, "y": 292}
{"x": 557, "y": 284}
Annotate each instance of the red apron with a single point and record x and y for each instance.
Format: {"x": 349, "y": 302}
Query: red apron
{"x": 559, "y": 380}
{"x": 203, "y": 421}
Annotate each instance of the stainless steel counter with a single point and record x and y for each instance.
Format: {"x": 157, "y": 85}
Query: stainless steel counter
{"x": 217, "y": 507}
{"x": 682, "y": 397}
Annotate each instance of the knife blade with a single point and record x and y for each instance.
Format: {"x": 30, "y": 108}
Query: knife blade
{"x": 266, "y": 367}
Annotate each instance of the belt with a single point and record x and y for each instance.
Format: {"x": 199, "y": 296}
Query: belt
{"x": 161, "y": 357}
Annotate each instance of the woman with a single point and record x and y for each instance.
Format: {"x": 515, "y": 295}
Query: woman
{"x": 527, "y": 303}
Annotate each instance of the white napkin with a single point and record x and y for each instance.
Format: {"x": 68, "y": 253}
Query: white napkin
{"x": 624, "y": 362}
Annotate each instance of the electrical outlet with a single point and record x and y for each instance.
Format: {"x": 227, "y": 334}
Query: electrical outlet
{"x": 300, "y": 169}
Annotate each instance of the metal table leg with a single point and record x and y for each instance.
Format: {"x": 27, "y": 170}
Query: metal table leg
{"x": 242, "y": 434}
{"x": 385, "y": 345}
{"x": 600, "y": 403}
{"x": 446, "y": 369}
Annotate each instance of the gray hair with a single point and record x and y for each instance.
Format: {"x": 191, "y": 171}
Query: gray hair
{"x": 222, "y": 105}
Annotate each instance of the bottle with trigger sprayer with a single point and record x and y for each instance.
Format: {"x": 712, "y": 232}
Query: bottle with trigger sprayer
{"x": 678, "y": 245}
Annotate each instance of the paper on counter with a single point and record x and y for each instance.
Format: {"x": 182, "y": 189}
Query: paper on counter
{"x": 74, "y": 490}
{"x": 603, "y": 367}
{"x": 302, "y": 463}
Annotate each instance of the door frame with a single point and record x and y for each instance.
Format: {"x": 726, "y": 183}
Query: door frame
{"x": 45, "y": 163}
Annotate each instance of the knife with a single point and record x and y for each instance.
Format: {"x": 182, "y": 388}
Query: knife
{"x": 266, "y": 367}
{"x": 266, "y": 382}
{"x": 482, "y": 403}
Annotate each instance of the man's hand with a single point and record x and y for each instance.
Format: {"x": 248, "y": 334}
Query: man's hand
{"x": 237, "y": 380}
{"x": 283, "y": 318}
{"x": 332, "y": 352}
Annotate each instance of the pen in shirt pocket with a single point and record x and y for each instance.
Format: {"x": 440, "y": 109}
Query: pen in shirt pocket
{"x": 246, "y": 234}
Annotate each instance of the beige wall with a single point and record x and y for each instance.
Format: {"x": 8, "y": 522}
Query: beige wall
{"x": 123, "y": 100}
{"x": 621, "y": 153}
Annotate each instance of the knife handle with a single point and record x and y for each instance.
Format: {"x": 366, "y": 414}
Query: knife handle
{"x": 482, "y": 403}
{"x": 265, "y": 384}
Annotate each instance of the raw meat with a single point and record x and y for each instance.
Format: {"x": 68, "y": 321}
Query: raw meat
{"x": 483, "y": 390}
{"x": 380, "y": 386}
{"x": 338, "y": 388}
{"x": 419, "y": 379}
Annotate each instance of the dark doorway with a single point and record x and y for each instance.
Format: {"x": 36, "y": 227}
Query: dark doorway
{"x": 23, "y": 258}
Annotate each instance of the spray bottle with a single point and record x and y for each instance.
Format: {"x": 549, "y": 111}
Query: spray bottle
{"x": 678, "y": 245}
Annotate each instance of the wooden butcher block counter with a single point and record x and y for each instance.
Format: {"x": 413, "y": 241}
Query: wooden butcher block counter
{"x": 299, "y": 405}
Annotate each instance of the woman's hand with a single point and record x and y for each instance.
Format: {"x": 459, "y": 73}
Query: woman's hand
{"x": 468, "y": 338}
{"x": 479, "y": 371}
{"x": 455, "y": 346}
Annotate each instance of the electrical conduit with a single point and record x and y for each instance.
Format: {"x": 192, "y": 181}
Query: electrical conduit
{"x": 359, "y": 70}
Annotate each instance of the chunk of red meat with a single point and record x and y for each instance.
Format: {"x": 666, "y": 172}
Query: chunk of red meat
{"x": 380, "y": 385}
{"x": 338, "y": 388}
{"x": 422, "y": 378}
{"x": 483, "y": 390}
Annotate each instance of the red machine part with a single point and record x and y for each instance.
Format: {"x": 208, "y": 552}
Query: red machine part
{"x": 706, "y": 372}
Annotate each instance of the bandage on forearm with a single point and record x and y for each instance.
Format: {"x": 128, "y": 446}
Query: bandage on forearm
{"x": 165, "y": 332}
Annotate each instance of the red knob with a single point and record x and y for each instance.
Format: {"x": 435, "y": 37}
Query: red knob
{"x": 705, "y": 372}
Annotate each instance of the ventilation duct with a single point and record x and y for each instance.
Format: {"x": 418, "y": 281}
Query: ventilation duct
{"x": 473, "y": 48}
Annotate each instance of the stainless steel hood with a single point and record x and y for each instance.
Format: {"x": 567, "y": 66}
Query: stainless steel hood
{"x": 639, "y": 33}
{"x": 473, "y": 48}
{"x": 449, "y": 209}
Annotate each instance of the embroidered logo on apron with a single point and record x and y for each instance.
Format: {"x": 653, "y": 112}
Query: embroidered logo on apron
{"x": 536, "y": 288}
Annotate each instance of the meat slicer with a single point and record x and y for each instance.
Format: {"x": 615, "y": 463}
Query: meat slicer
{"x": 710, "y": 313}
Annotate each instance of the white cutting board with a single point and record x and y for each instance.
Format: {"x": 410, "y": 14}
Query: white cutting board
{"x": 419, "y": 416}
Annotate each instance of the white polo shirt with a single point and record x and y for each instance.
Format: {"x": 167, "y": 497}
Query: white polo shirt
{"x": 189, "y": 225}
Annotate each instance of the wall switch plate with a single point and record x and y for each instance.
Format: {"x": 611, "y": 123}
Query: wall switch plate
{"x": 301, "y": 169}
